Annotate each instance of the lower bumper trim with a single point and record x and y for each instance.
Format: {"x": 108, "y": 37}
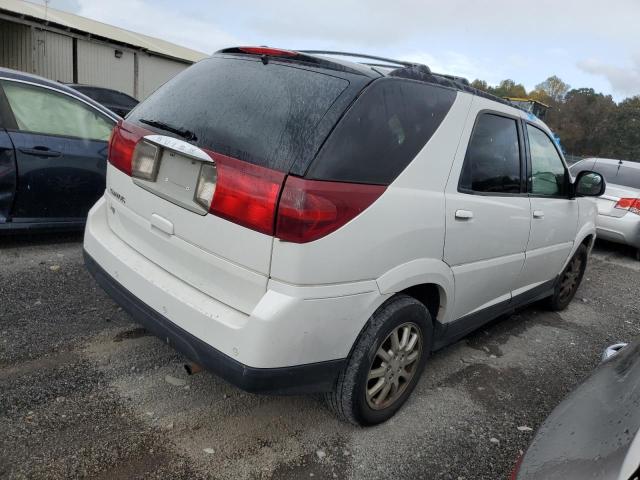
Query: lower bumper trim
{"x": 295, "y": 380}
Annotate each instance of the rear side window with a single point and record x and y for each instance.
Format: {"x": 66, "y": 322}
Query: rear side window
{"x": 263, "y": 114}
{"x": 492, "y": 162}
{"x": 382, "y": 132}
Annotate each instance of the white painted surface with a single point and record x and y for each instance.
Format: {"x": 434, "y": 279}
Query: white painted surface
{"x": 486, "y": 252}
{"x": 252, "y": 297}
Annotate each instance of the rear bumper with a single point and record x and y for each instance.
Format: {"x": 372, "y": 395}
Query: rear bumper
{"x": 300, "y": 379}
{"x": 295, "y": 339}
{"x": 625, "y": 229}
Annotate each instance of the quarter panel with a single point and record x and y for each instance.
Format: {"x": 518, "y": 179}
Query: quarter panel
{"x": 406, "y": 223}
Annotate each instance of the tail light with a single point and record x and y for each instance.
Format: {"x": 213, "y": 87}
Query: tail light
{"x": 246, "y": 194}
{"x": 311, "y": 209}
{"x": 250, "y": 195}
{"x": 273, "y": 52}
{"x": 631, "y": 204}
{"x": 121, "y": 146}
{"x": 129, "y": 155}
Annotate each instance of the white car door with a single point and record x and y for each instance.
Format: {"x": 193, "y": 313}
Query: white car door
{"x": 554, "y": 215}
{"x": 487, "y": 211}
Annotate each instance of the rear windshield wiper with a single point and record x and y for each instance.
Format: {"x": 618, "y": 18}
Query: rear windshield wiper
{"x": 186, "y": 134}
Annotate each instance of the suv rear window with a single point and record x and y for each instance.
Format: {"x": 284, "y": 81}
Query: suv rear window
{"x": 619, "y": 174}
{"x": 382, "y": 132}
{"x": 263, "y": 114}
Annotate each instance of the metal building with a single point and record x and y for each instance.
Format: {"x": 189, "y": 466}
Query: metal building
{"x": 72, "y": 49}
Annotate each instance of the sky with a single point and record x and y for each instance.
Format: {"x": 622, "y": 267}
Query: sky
{"x": 587, "y": 43}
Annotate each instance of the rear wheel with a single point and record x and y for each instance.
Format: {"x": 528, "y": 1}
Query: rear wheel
{"x": 569, "y": 280}
{"x": 385, "y": 363}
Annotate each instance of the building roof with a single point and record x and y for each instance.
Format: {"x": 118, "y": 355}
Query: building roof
{"x": 99, "y": 29}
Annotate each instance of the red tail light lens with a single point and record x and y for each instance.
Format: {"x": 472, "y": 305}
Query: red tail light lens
{"x": 631, "y": 204}
{"x": 273, "y": 52}
{"x": 246, "y": 194}
{"x": 122, "y": 144}
{"x": 311, "y": 209}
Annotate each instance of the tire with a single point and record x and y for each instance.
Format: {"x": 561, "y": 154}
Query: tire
{"x": 569, "y": 281}
{"x": 349, "y": 400}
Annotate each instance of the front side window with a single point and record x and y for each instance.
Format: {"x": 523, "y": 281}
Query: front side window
{"x": 492, "y": 161}
{"x": 548, "y": 175}
{"x": 40, "y": 110}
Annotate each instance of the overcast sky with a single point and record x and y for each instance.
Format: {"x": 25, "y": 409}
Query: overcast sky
{"x": 587, "y": 43}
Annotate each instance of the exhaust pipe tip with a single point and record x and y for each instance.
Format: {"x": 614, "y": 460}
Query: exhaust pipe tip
{"x": 192, "y": 368}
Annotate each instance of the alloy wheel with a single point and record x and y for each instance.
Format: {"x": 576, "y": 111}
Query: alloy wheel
{"x": 394, "y": 366}
{"x": 571, "y": 277}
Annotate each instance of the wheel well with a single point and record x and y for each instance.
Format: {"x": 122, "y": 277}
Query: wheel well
{"x": 429, "y": 295}
{"x": 588, "y": 241}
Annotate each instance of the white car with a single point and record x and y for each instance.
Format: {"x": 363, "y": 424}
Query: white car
{"x": 299, "y": 224}
{"x": 618, "y": 217}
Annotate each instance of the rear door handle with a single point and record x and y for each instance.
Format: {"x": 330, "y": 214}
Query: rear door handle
{"x": 538, "y": 214}
{"x": 464, "y": 214}
{"x": 40, "y": 151}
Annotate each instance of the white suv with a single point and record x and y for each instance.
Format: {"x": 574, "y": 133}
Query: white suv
{"x": 298, "y": 224}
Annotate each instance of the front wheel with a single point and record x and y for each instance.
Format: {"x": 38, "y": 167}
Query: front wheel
{"x": 569, "y": 280}
{"x": 385, "y": 363}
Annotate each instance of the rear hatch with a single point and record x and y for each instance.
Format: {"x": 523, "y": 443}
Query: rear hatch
{"x": 200, "y": 166}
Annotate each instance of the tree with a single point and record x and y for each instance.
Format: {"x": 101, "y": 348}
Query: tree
{"x": 582, "y": 121}
{"x": 480, "y": 85}
{"x": 509, "y": 88}
{"x": 588, "y": 123}
{"x": 623, "y": 131}
{"x": 554, "y": 87}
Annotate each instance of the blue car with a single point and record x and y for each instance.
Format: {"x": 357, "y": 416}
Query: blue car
{"x": 53, "y": 153}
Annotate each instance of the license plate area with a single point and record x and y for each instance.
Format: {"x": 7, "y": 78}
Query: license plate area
{"x": 177, "y": 174}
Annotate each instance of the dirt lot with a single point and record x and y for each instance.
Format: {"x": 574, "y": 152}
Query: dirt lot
{"x": 84, "y": 392}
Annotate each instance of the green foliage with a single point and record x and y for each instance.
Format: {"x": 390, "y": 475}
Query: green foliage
{"x": 588, "y": 123}
{"x": 623, "y": 130}
{"x": 509, "y": 88}
{"x": 554, "y": 88}
{"x": 480, "y": 85}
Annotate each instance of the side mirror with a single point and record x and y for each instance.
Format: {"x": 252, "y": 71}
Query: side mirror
{"x": 589, "y": 184}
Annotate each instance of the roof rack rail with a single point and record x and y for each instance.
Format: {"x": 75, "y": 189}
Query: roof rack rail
{"x": 454, "y": 78}
{"x": 361, "y": 55}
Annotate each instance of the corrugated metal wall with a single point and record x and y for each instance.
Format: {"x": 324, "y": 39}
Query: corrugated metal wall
{"x": 153, "y": 71}
{"x": 98, "y": 65}
{"x": 53, "y": 56}
{"x": 50, "y": 54}
{"x": 15, "y": 46}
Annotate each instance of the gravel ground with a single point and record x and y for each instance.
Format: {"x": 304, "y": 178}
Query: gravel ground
{"x": 85, "y": 392}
